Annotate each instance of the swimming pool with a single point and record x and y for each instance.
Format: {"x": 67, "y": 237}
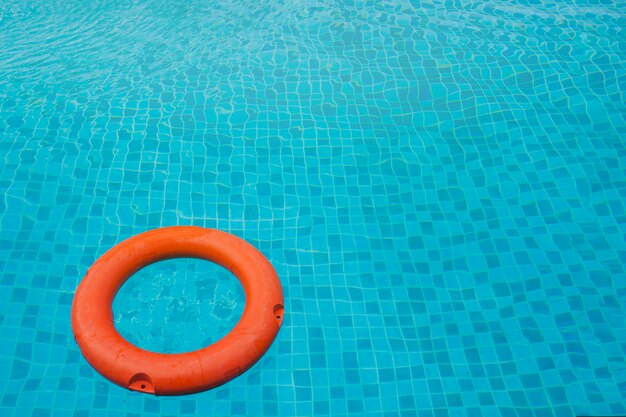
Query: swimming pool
{"x": 439, "y": 185}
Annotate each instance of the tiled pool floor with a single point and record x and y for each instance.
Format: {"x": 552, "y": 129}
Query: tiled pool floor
{"x": 440, "y": 186}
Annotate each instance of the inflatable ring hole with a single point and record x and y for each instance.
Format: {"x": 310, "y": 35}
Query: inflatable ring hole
{"x": 178, "y": 305}
{"x": 279, "y": 311}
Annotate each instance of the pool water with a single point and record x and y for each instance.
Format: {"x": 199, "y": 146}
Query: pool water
{"x": 440, "y": 186}
{"x": 177, "y": 306}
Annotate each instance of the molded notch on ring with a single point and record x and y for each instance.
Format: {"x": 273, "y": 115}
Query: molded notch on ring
{"x": 142, "y": 383}
{"x": 279, "y": 312}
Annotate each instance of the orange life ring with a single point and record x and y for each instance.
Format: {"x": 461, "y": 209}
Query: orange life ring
{"x": 173, "y": 374}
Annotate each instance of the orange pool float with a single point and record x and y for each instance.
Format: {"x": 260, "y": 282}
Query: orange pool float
{"x": 183, "y": 373}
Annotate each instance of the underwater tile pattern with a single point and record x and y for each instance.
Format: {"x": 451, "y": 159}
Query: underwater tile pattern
{"x": 440, "y": 186}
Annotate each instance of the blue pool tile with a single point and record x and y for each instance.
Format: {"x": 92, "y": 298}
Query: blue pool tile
{"x": 440, "y": 188}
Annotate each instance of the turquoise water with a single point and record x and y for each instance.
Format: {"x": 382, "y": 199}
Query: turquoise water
{"x": 178, "y": 306}
{"x": 439, "y": 185}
